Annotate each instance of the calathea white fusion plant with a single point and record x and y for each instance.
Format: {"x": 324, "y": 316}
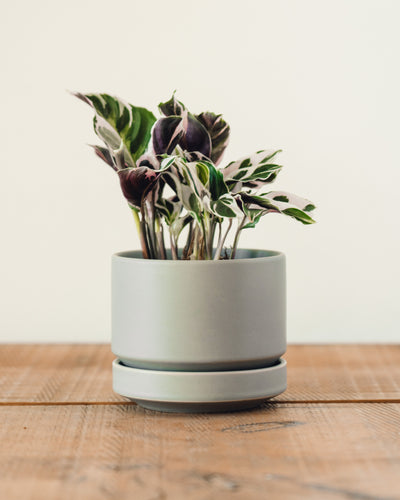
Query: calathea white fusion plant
{"x": 180, "y": 153}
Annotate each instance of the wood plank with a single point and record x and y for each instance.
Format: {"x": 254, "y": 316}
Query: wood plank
{"x": 40, "y": 373}
{"x": 82, "y": 373}
{"x": 336, "y": 451}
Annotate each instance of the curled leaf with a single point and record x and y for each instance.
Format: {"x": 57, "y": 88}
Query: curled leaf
{"x": 167, "y": 132}
{"x": 173, "y": 107}
{"x": 195, "y": 137}
{"x": 122, "y": 127}
{"x": 136, "y": 183}
{"x": 218, "y": 130}
{"x": 104, "y": 154}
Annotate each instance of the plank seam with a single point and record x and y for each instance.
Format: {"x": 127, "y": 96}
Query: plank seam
{"x": 116, "y": 403}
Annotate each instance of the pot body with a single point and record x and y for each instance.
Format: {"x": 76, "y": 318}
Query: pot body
{"x": 199, "y": 315}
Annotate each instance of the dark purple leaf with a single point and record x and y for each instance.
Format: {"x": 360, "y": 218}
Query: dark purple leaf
{"x": 196, "y": 137}
{"x": 195, "y": 156}
{"x": 136, "y": 183}
{"x": 166, "y": 134}
{"x": 219, "y": 132}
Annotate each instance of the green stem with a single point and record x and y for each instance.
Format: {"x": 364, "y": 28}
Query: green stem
{"x": 222, "y": 241}
{"x": 135, "y": 213}
{"x": 173, "y": 248}
{"x": 213, "y": 226}
{"x": 196, "y": 243}
{"x": 160, "y": 239}
{"x": 237, "y": 236}
{"x": 141, "y": 229}
{"x": 204, "y": 240}
{"x": 188, "y": 241}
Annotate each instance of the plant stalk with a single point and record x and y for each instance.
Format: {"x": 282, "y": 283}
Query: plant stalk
{"x": 160, "y": 239}
{"x": 141, "y": 229}
{"x": 237, "y": 236}
{"x": 189, "y": 240}
{"x": 222, "y": 241}
{"x": 173, "y": 247}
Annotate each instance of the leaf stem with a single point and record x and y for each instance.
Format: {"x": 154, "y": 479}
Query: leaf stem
{"x": 160, "y": 238}
{"x": 173, "y": 248}
{"x": 222, "y": 241}
{"x": 141, "y": 229}
{"x": 237, "y": 236}
{"x": 189, "y": 240}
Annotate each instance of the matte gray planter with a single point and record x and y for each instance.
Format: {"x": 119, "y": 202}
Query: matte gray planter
{"x": 199, "y": 335}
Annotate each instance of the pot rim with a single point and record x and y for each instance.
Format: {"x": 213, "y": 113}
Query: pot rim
{"x": 259, "y": 256}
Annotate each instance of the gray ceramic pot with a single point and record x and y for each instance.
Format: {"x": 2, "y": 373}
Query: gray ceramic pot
{"x": 199, "y": 335}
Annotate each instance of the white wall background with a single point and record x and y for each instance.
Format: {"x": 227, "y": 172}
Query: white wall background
{"x": 319, "y": 79}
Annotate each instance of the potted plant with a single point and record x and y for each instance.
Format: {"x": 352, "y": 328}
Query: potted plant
{"x": 197, "y": 324}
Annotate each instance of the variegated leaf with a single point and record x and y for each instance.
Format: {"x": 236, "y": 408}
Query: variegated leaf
{"x": 148, "y": 160}
{"x": 136, "y": 183}
{"x": 167, "y": 162}
{"x": 104, "y": 154}
{"x": 166, "y": 134}
{"x": 254, "y": 218}
{"x": 216, "y": 184}
{"x": 281, "y": 202}
{"x": 173, "y": 107}
{"x": 124, "y": 128}
{"x": 193, "y": 174}
{"x": 252, "y": 172}
{"x": 196, "y": 136}
{"x": 282, "y": 198}
{"x": 218, "y": 130}
{"x": 192, "y": 155}
{"x": 189, "y": 181}
{"x": 178, "y": 224}
{"x": 225, "y": 206}
{"x": 186, "y": 194}
{"x": 170, "y": 208}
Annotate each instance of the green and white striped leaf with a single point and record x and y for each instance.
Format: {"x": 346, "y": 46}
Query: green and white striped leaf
{"x": 173, "y": 107}
{"x": 255, "y": 219}
{"x": 104, "y": 154}
{"x": 281, "y": 202}
{"x": 195, "y": 175}
{"x": 178, "y": 224}
{"x": 188, "y": 196}
{"x": 125, "y": 129}
{"x": 200, "y": 187}
{"x": 252, "y": 172}
{"x": 216, "y": 184}
{"x": 282, "y": 198}
{"x": 225, "y": 206}
{"x": 170, "y": 208}
{"x": 190, "y": 182}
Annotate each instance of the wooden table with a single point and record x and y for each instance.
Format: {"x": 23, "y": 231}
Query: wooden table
{"x": 335, "y": 433}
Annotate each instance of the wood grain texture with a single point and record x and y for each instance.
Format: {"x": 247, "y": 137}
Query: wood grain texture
{"x": 78, "y": 374}
{"x": 285, "y": 451}
{"x": 335, "y": 434}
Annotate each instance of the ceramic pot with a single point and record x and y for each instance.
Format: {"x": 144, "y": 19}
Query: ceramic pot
{"x": 199, "y": 335}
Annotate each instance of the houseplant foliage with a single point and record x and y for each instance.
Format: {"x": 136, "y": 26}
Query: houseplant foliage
{"x": 171, "y": 176}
